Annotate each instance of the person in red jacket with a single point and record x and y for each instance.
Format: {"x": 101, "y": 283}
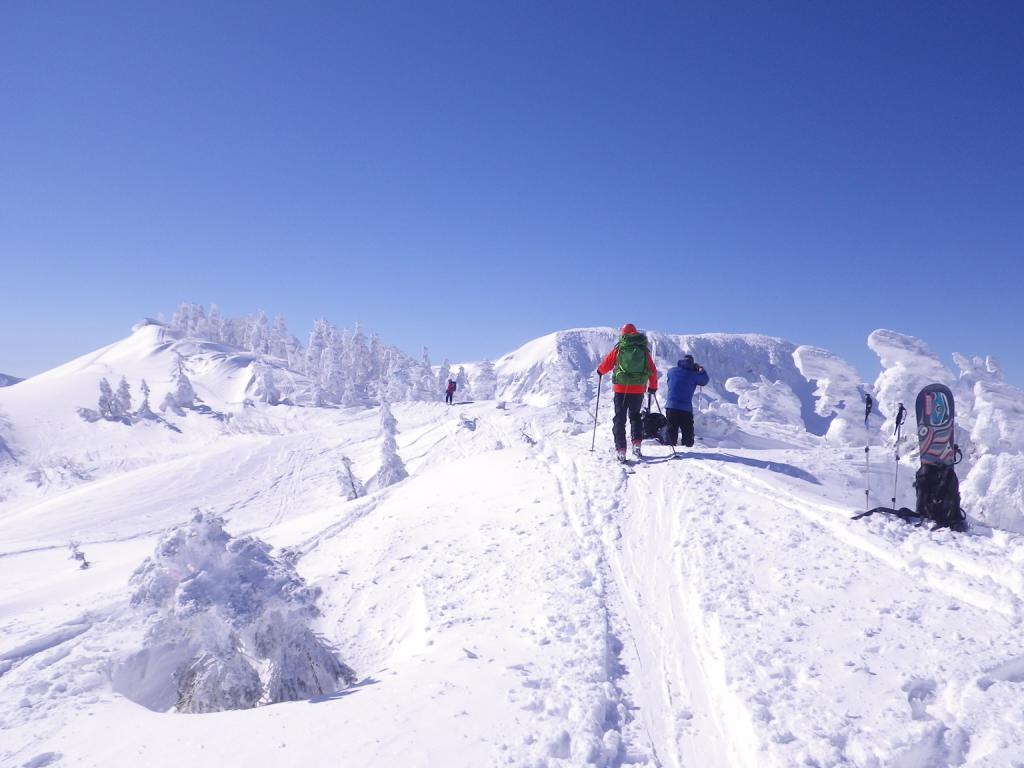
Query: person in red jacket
{"x": 634, "y": 374}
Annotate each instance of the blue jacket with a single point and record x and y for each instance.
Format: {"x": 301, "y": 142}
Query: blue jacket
{"x": 682, "y": 381}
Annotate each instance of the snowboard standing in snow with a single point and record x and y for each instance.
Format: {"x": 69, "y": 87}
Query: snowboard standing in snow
{"x": 938, "y": 490}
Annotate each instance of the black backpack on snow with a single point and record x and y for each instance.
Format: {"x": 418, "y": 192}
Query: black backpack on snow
{"x": 938, "y": 496}
{"x": 652, "y": 422}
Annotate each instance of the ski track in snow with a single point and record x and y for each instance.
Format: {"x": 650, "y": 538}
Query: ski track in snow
{"x": 523, "y": 601}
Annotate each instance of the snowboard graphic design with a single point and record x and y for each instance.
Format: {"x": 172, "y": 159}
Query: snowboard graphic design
{"x": 935, "y": 414}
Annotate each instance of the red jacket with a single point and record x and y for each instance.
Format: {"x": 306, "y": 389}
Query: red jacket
{"x": 630, "y": 389}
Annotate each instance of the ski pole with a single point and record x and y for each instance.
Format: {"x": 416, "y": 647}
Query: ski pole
{"x": 596, "y": 406}
{"x": 700, "y": 398}
{"x": 659, "y": 411}
{"x": 867, "y": 454}
{"x": 901, "y": 416}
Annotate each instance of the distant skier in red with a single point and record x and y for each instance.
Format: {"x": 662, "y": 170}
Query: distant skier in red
{"x": 450, "y": 391}
{"x": 634, "y": 374}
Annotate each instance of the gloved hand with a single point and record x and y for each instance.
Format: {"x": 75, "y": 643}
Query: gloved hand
{"x": 599, "y": 374}
{"x": 651, "y": 390}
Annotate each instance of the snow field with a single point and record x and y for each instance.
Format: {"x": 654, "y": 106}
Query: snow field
{"x": 519, "y": 600}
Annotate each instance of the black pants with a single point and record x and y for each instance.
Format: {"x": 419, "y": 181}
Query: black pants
{"x": 679, "y": 421}
{"x": 448, "y": 397}
{"x": 630, "y": 404}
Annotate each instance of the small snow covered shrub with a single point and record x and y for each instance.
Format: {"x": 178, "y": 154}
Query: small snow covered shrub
{"x": 227, "y": 626}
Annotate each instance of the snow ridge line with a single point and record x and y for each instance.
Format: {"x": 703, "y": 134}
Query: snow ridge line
{"x": 1007, "y": 600}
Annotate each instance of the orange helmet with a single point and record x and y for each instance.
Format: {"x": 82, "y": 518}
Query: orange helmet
{"x": 627, "y": 328}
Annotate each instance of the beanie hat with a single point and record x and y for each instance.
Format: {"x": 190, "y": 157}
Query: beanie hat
{"x": 628, "y": 328}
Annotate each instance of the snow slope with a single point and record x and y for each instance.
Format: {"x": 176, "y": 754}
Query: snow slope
{"x": 518, "y": 600}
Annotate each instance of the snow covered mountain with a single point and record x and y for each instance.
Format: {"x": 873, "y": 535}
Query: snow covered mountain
{"x": 6, "y": 380}
{"x": 518, "y": 599}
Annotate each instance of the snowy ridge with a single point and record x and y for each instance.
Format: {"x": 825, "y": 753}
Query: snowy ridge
{"x": 560, "y": 367}
{"x": 8, "y": 381}
{"x": 517, "y": 599}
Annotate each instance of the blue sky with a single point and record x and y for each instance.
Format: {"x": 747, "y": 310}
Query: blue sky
{"x": 472, "y": 175}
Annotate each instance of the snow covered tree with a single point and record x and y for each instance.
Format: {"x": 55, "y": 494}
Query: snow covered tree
{"x": 258, "y": 340}
{"x": 315, "y": 350}
{"x": 486, "y": 382}
{"x": 278, "y": 341}
{"x": 182, "y": 395}
{"x": 351, "y": 488}
{"x": 229, "y": 332}
{"x": 200, "y": 325}
{"x": 215, "y": 324}
{"x": 268, "y": 391}
{"x": 443, "y": 374}
{"x": 228, "y": 625}
{"x": 392, "y": 469}
{"x": 182, "y": 318}
{"x": 144, "y": 411}
{"x": 107, "y": 403}
{"x": 462, "y": 383}
{"x": 123, "y": 399}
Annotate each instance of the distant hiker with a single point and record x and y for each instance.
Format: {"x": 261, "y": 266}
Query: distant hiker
{"x": 634, "y": 374}
{"x": 682, "y": 381}
{"x": 450, "y": 391}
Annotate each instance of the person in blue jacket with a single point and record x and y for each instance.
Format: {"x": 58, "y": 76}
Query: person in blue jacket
{"x": 682, "y": 381}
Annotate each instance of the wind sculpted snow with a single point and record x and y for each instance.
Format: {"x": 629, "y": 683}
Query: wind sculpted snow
{"x": 517, "y": 599}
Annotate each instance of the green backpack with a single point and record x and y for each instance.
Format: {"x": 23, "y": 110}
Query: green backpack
{"x": 631, "y": 363}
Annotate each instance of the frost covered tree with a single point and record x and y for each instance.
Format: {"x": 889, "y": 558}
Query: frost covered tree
{"x": 279, "y": 338}
{"x": 462, "y": 383}
{"x": 392, "y": 469}
{"x": 144, "y": 411}
{"x": 351, "y": 488}
{"x": 839, "y": 393}
{"x": 229, "y": 332}
{"x": 443, "y": 374}
{"x": 268, "y": 391}
{"x": 766, "y": 401}
{"x": 107, "y": 403}
{"x": 258, "y": 339}
{"x": 229, "y": 621}
{"x": 315, "y": 350}
{"x": 182, "y": 395}
{"x": 486, "y": 382}
{"x": 200, "y": 324}
{"x": 215, "y": 324}
{"x": 123, "y": 399}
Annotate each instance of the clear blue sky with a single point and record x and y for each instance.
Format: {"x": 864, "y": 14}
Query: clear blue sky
{"x": 473, "y": 175}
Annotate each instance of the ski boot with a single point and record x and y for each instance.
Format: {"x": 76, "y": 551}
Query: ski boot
{"x": 636, "y": 451}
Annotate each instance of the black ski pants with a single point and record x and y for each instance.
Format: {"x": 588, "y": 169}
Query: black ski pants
{"x": 448, "y": 397}
{"x": 679, "y": 421}
{"x": 631, "y": 405}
